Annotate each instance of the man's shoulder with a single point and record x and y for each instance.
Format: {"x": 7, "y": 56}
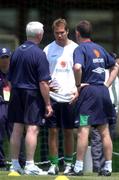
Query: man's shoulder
{"x": 50, "y": 45}
{"x": 28, "y": 50}
{"x": 73, "y": 44}
{"x": 89, "y": 45}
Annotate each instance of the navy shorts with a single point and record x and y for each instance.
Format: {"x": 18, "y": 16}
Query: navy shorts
{"x": 5, "y": 126}
{"x": 94, "y": 106}
{"x": 26, "y": 106}
{"x": 63, "y": 116}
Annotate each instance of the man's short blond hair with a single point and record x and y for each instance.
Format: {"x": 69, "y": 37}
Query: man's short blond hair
{"x": 59, "y": 21}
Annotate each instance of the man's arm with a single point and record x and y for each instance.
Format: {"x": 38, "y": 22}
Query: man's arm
{"x": 117, "y": 60}
{"x": 112, "y": 75}
{"x": 77, "y": 74}
{"x": 44, "y": 88}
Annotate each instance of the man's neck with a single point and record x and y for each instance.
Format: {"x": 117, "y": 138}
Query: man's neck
{"x": 63, "y": 44}
{"x": 85, "y": 40}
{"x": 33, "y": 40}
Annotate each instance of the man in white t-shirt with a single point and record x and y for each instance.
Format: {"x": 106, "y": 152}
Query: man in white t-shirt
{"x": 63, "y": 93}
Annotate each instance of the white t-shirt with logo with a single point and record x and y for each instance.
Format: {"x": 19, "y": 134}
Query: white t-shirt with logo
{"x": 61, "y": 69}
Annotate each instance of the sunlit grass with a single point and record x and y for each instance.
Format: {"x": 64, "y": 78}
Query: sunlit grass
{"x": 87, "y": 176}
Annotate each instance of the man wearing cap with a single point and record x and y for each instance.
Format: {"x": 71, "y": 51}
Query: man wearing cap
{"x": 5, "y": 127}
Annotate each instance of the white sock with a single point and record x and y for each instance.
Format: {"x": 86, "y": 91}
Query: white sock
{"x": 78, "y": 166}
{"x": 28, "y": 163}
{"x": 108, "y": 165}
{"x": 15, "y": 163}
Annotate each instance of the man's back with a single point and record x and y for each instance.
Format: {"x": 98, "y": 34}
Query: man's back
{"x": 30, "y": 66}
{"x": 94, "y": 60}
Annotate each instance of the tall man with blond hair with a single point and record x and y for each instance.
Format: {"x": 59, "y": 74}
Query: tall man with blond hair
{"x": 63, "y": 93}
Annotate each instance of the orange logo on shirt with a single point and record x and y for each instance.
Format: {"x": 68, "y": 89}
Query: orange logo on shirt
{"x": 63, "y": 64}
{"x": 97, "y": 53}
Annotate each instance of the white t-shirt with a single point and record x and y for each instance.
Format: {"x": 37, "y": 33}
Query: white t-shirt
{"x": 61, "y": 64}
{"x": 114, "y": 91}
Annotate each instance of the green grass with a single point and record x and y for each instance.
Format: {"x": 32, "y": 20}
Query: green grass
{"x": 115, "y": 159}
{"x": 87, "y": 176}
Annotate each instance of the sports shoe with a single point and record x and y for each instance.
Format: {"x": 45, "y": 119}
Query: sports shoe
{"x": 53, "y": 170}
{"x": 68, "y": 169}
{"x": 73, "y": 173}
{"x": 16, "y": 169}
{"x": 104, "y": 173}
{"x": 34, "y": 170}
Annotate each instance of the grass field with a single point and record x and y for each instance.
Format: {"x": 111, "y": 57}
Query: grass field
{"x": 87, "y": 176}
{"x": 91, "y": 176}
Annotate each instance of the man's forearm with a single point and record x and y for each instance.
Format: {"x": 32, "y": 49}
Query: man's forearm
{"x": 77, "y": 74}
{"x": 44, "y": 88}
{"x": 112, "y": 75}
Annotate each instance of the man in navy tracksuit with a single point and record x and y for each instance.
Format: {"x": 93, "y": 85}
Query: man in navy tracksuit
{"x": 5, "y": 127}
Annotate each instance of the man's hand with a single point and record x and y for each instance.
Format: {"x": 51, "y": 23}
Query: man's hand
{"x": 54, "y": 86}
{"x": 74, "y": 98}
{"x": 48, "y": 111}
{"x": 106, "y": 84}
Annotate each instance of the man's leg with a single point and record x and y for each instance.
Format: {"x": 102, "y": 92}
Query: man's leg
{"x": 15, "y": 140}
{"x": 9, "y": 129}
{"x": 53, "y": 141}
{"x": 68, "y": 143}
{"x": 82, "y": 144}
{"x": 53, "y": 150}
{"x": 2, "y": 155}
{"x": 97, "y": 150}
{"x": 15, "y": 143}
{"x": 3, "y": 120}
{"x": 31, "y": 141}
{"x": 32, "y": 132}
{"x": 68, "y": 149}
{"x": 107, "y": 146}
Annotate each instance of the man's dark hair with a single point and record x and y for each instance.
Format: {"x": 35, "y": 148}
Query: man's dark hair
{"x": 85, "y": 28}
{"x": 114, "y": 55}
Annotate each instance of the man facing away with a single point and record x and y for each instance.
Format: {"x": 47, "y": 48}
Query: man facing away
{"x": 94, "y": 105}
{"x": 96, "y": 142}
{"x": 29, "y": 100}
{"x": 63, "y": 93}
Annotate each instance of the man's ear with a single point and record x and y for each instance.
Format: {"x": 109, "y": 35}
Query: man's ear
{"x": 39, "y": 36}
{"x": 77, "y": 33}
{"x": 67, "y": 31}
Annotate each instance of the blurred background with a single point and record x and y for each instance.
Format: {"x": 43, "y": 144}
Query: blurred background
{"x": 15, "y": 14}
